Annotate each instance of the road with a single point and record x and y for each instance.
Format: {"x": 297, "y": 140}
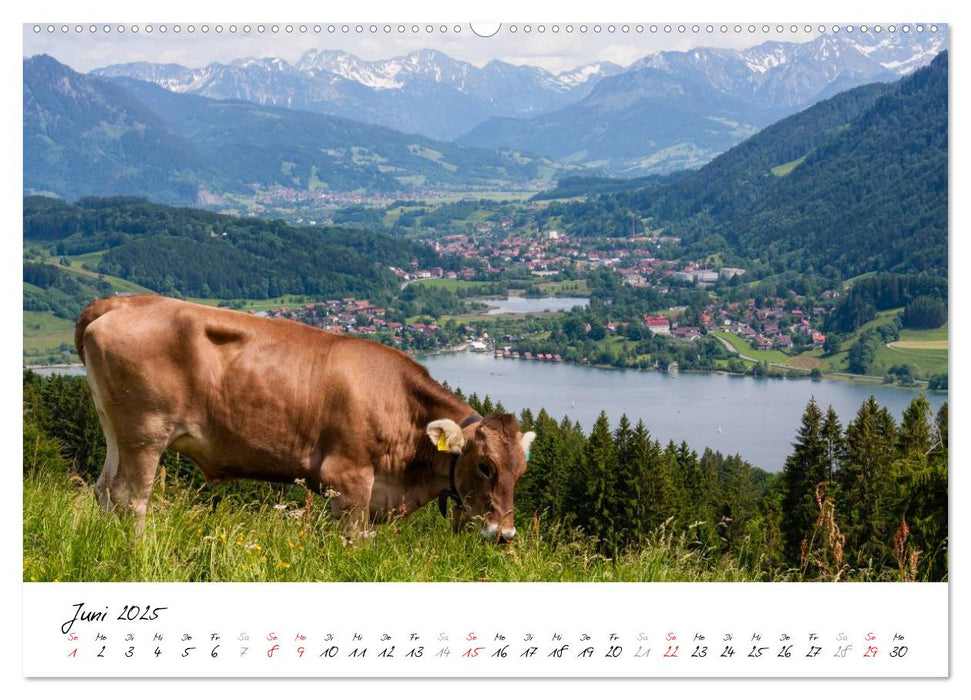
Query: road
{"x": 732, "y": 349}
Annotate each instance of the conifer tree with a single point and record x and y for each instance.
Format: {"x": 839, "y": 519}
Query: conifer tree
{"x": 740, "y": 497}
{"x": 835, "y": 444}
{"x": 600, "y": 467}
{"x": 526, "y": 420}
{"x": 866, "y": 481}
{"x": 661, "y": 492}
{"x": 628, "y": 485}
{"x": 922, "y": 481}
{"x": 709, "y": 506}
{"x": 915, "y": 429}
{"x": 806, "y": 467}
{"x": 680, "y": 507}
{"x": 653, "y": 496}
{"x": 540, "y": 491}
{"x": 575, "y": 474}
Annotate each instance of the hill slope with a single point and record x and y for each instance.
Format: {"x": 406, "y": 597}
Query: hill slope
{"x": 87, "y": 136}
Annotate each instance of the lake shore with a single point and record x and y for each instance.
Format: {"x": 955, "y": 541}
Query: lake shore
{"x": 862, "y": 380}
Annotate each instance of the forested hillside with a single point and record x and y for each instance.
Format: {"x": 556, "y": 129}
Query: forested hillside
{"x": 856, "y": 184}
{"x": 195, "y": 253}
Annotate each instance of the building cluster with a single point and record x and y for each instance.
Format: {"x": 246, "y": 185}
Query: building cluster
{"x": 345, "y": 316}
{"x": 705, "y": 276}
{"x": 774, "y": 325}
{"x": 551, "y": 252}
{"x": 508, "y": 353}
{"x": 662, "y": 325}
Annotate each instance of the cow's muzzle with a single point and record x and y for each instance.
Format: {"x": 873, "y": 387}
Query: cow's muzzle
{"x": 493, "y": 533}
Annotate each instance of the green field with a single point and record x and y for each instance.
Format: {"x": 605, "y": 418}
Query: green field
{"x": 118, "y": 284}
{"x": 77, "y": 261}
{"x": 853, "y": 280}
{"x": 43, "y": 335}
{"x": 566, "y": 288}
{"x": 925, "y": 335}
{"x": 492, "y": 195}
{"x": 263, "y": 533}
{"x": 288, "y": 300}
{"x": 451, "y": 285}
{"x": 786, "y": 168}
{"x": 925, "y": 361}
{"x": 743, "y": 347}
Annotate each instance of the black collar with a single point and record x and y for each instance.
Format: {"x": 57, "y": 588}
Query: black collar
{"x": 452, "y": 492}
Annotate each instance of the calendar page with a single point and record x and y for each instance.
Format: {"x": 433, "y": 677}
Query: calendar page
{"x": 439, "y": 349}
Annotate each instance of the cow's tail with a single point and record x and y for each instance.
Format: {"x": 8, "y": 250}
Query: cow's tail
{"x": 96, "y": 309}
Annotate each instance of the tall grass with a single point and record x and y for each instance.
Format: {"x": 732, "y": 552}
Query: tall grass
{"x": 264, "y": 533}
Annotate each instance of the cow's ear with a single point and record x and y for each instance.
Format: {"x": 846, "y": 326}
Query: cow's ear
{"x": 526, "y": 441}
{"x": 446, "y": 435}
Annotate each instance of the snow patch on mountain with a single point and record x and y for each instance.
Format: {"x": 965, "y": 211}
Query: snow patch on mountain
{"x": 583, "y": 74}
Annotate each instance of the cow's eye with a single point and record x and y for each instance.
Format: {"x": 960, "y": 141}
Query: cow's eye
{"x": 485, "y": 469}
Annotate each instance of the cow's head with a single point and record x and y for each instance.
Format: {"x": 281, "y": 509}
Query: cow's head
{"x": 490, "y": 456}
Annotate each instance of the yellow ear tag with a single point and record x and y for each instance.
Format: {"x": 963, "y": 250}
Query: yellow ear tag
{"x": 442, "y": 446}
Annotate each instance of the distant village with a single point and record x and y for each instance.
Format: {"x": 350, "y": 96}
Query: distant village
{"x": 773, "y": 324}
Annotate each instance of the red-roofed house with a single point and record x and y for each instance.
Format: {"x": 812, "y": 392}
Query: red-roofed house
{"x": 658, "y": 324}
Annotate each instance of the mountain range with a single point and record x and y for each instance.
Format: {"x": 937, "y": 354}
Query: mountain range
{"x": 90, "y": 135}
{"x": 678, "y": 109}
{"x": 424, "y": 92}
{"x": 321, "y": 124}
{"x": 667, "y": 111}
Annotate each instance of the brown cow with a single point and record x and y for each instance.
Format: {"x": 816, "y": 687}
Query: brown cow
{"x": 250, "y": 397}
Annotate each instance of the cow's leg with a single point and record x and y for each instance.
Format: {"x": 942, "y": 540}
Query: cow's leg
{"x": 102, "y": 488}
{"x": 349, "y": 487}
{"x": 135, "y": 478}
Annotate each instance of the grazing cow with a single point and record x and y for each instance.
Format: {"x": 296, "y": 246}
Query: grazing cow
{"x": 256, "y": 398}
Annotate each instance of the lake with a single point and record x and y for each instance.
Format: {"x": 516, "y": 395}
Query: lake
{"x": 756, "y": 418}
{"x": 525, "y": 305}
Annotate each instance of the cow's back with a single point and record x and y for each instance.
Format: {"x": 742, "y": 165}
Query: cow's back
{"x": 244, "y": 396}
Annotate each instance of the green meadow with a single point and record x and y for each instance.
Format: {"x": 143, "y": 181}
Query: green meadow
{"x": 264, "y": 533}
